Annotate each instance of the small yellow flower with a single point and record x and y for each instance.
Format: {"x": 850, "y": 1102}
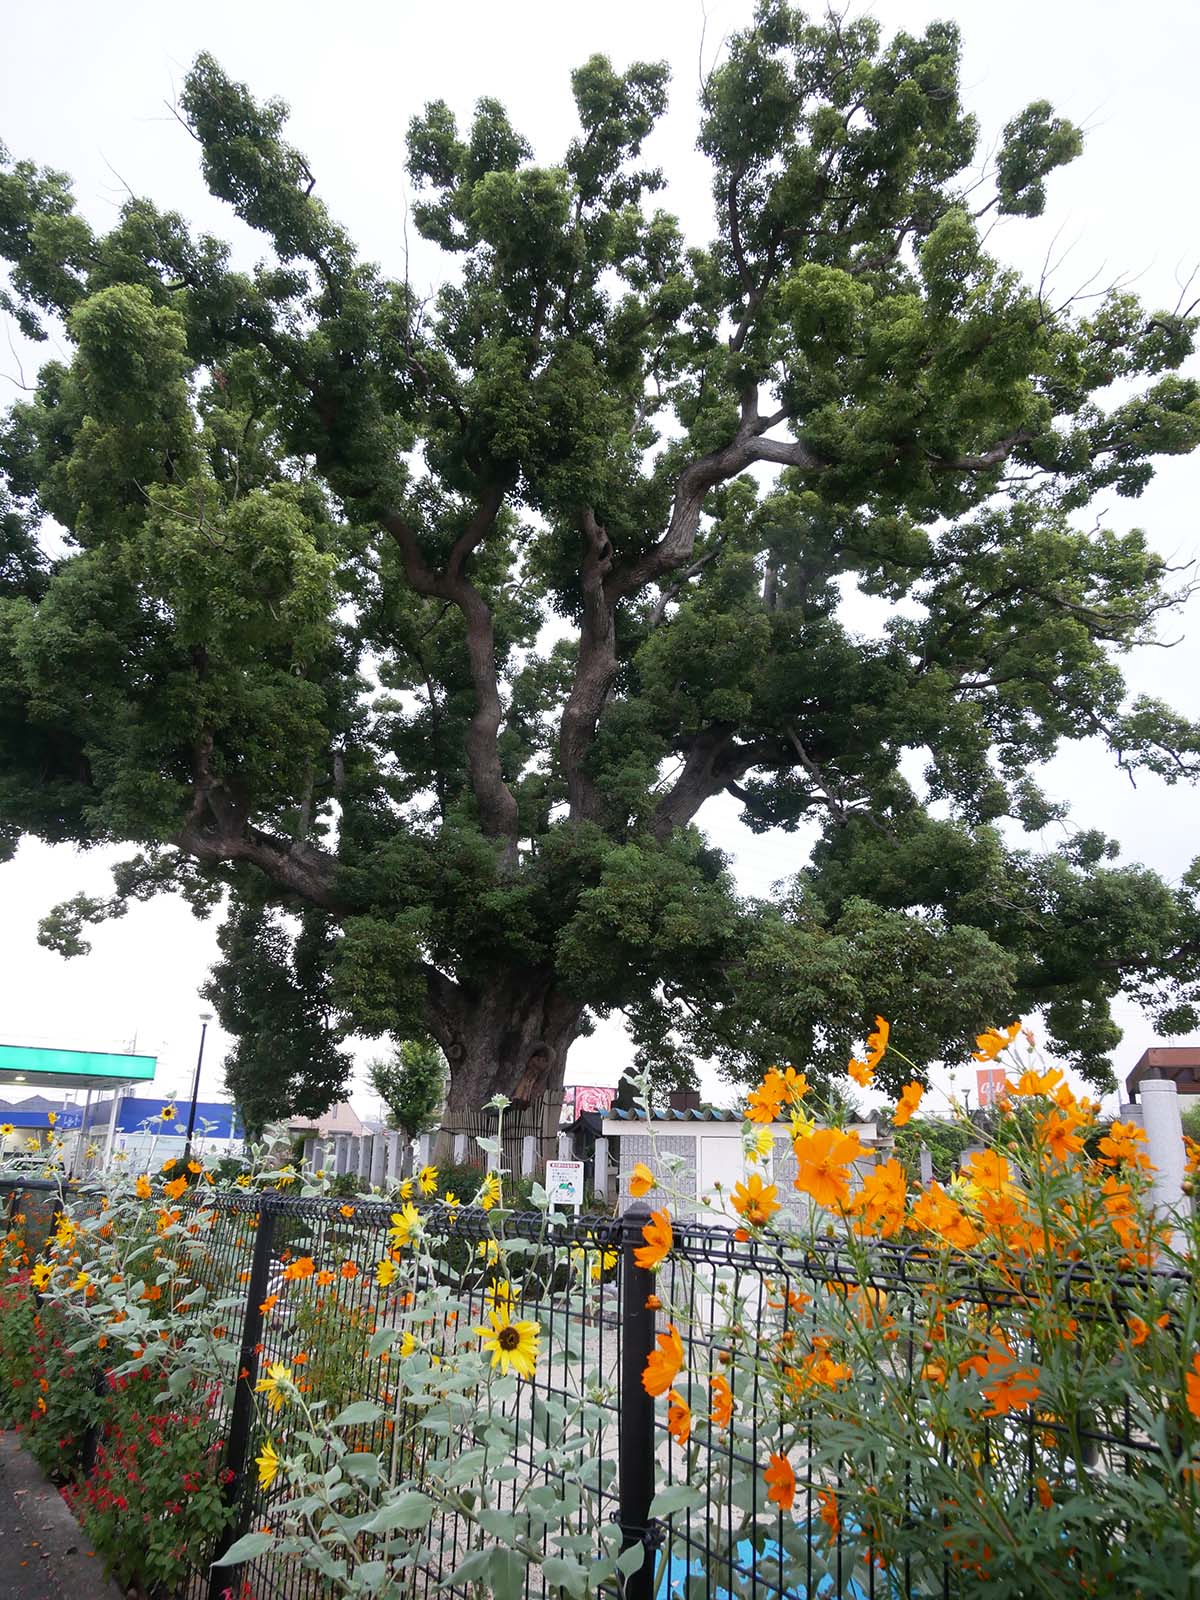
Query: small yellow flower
{"x": 758, "y": 1144}
{"x": 80, "y": 1280}
{"x": 6, "y": 1130}
{"x": 167, "y": 1113}
{"x": 427, "y": 1180}
{"x": 489, "y": 1192}
{"x": 407, "y": 1343}
{"x": 268, "y": 1465}
{"x": 406, "y": 1188}
{"x": 40, "y": 1276}
{"x": 142, "y": 1187}
{"x": 276, "y": 1385}
{"x": 52, "y": 1117}
{"x": 489, "y": 1250}
{"x": 499, "y": 1294}
{"x": 385, "y": 1271}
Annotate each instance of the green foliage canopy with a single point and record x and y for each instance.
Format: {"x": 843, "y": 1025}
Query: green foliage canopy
{"x": 428, "y": 630}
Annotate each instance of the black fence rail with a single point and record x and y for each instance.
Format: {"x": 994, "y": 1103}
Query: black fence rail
{"x": 730, "y": 1540}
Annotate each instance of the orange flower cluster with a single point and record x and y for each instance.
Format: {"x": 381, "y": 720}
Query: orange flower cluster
{"x": 765, "y": 1104}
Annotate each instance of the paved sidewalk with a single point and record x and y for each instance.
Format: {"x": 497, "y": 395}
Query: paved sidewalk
{"x": 43, "y": 1550}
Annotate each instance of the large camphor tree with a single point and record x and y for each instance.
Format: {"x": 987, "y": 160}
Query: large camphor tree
{"x": 419, "y": 633}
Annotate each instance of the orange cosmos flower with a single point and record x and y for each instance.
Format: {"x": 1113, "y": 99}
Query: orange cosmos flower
{"x": 822, "y": 1157}
{"x": 989, "y": 1044}
{"x": 780, "y": 1481}
{"x": 910, "y": 1099}
{"x": 795, "y": 1085}
{"x": 1141, "y": 1330}
{"x": 938, "y": 1213}
{"x": 641, "y": 1180}
{"x": 1192, "y": 1380}
{"x": 346, "y": 1211}
{"x": 765, "y": 1104}
{"x": 829, "y": 1511}
{"x": 653, "y": 1303}
{"x": 679, "y": 1417}
{"x": 1057, "y": 1133}
{"x": 881, "y": 1199}
{"x": 1013, "y": 1393}
{"x": 862, "y": 1074}
{"x": 302, "y": 1267}
{"x": 1045, "y": 1498}
{"x": 324, "y": 1277}
{"x": 348, "y": 1269}
{"x": 268, "y": 1304}
{"x": 664, "y": 1363}
{"x": 877, "y": 1043}
{"x": 142, "y": 1187}
{"x": 659, "y": 1240}
{"x": 754, "y": 1200}
{"x": 1120, "y": 1143}
{"x": 175, "y": 1188}
{"x": 989, "y": 1172}
{"x": 1037, "y": 1082}
{"x": 722, "y": 1405}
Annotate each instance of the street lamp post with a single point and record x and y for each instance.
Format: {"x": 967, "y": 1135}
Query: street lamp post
{"x": 205, "y": 1018}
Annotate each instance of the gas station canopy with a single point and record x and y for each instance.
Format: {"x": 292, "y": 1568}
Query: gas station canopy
{"x": 71, "y": 1069}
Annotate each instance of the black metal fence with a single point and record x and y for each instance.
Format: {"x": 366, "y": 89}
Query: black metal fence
{"x": 734, "y": 1542}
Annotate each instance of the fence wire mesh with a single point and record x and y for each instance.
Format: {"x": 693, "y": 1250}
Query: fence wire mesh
{"x": 300, "y": 1279}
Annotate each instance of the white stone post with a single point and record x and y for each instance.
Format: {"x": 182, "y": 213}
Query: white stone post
{"x": 529, "y": 1156}
{"x": 600, "y": 1172}
{"x": 364, "y": 1156}
{"x": 1164, "y": 1142}
{"x": 379, "y": 1154}
{"x": 459, "y": 1149}
{"x": 566, "y": 1147}
{"x": 926, "y": 1168}
{"x": 395, "y": 1157}
{"x": 308, "y": 1153}
{"x": 425, "y": 1149}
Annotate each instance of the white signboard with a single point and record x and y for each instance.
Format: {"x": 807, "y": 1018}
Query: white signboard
{"x": 564, "y": 1183}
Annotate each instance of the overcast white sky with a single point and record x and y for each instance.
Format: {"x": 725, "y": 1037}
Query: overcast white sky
{"x": 82, "y": 87}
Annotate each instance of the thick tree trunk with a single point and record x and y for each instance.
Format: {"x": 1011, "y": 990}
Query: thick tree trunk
{"x": 510, "y": 1036}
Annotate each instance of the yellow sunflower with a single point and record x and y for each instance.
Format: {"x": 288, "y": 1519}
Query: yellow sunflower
{"x": 511, "y": 1344}
{"x": 276, "y": 1385}
{"x": 268, "y": 1465}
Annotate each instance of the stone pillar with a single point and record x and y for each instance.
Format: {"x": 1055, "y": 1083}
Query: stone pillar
{"x": 1164, "y": 1142}
{"x": 926, "y": 1168}
{"x": 529, "y": 1156}
{"x": 459, "y": 1149}
{"x": 395, "y": 1157}
{"x": 425, "y": 1149}
{"x": 364, "y": 1156}
{"x": 600, "y": 1172}
{"x": 566, "y": 1147}
{"x": 379, "y": 1155}
{"x": 308, "y": 1153}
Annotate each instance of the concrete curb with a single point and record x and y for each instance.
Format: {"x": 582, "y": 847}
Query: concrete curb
{"x": 42, "y": 1534}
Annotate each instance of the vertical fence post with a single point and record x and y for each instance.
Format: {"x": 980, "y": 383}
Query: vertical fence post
{"x": 241, "y": 1417}
{"x": 635, "y": 1431}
